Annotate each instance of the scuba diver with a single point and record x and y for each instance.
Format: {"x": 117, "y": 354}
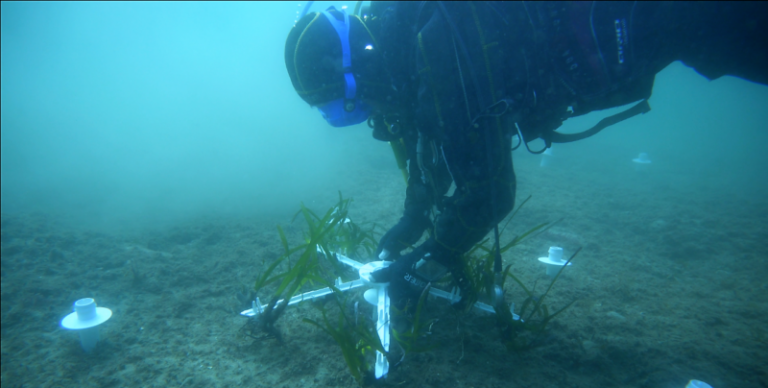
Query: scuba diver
{"x": 456, "y": 86}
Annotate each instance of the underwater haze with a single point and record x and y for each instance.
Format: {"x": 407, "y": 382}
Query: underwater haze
{"x": 149, "y": 149}
{"x": 119, "y": 114}
{"x": 134, "y": 113}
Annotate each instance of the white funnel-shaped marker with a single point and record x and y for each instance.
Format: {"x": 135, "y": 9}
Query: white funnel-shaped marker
{"x": 86, "y": 319}
{"x": 546, "y": 157}
{"x": 554, "y": 261}
{"x": 641, "y": 162}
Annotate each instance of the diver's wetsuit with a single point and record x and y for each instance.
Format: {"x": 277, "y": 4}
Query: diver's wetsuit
{"x": 468, "y": 74}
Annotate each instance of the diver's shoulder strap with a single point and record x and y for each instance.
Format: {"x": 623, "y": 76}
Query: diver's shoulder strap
{"x": 557, "y": 137}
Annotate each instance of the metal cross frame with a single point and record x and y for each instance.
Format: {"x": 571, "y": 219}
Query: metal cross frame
{"x": 377, "y": 295}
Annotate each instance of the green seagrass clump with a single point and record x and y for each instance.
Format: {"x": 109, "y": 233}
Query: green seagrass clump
{"x": 313, "y": 261}
{"x": 516, "y": 334}
{"x": 357, "y": 339}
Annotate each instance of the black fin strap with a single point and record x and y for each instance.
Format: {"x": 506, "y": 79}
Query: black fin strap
{"x": 557, "y": 137}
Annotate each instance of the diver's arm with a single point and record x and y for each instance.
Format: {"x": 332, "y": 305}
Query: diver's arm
{"x": 415, "y": 219}
{"x": 484, "y": 196}
{"x": 476, "y": 150}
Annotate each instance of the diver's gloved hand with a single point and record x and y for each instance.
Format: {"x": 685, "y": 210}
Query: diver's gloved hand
{"x": 402, "y": 265}
{"x": 432, "y": 252}
{"x": 406, "y": 282}
{"x": 403, "y": 280}
{"x": 467, "y": 292}
{"x": 406, "y": 232}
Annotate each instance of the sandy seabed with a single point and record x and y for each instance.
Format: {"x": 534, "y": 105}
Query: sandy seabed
{"x": 670, "y": 285}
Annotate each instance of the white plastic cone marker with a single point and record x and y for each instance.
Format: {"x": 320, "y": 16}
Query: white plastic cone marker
{"x": 697, "y": 384}
{"x": 554, "y": 261}
{"x": 641, "y": 162}
{"x": 546, "y": 157}
{"x": 86, "y": 319}
{"x": 371, "y": 296}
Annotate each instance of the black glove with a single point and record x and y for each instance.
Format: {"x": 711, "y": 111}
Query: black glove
{"x": 406, "y": 232}
{"x": 404, "y": 282}
{"x": 468, "y": 296}
{"x": 399, "y": 268}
